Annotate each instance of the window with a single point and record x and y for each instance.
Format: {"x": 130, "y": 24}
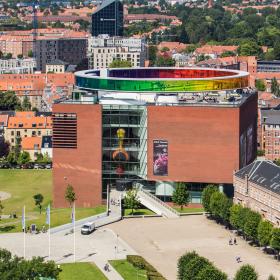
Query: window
{"x": 18, "y": 133}
{"x": 33, "y": 133}
{"x": 12, "y": 133}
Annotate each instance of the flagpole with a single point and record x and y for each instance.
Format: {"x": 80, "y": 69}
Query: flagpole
{"x": 74, "y": 218}
{"x": 49, "y": 232}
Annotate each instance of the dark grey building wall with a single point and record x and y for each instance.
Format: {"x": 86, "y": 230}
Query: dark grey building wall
{"x": 72, "y": 51}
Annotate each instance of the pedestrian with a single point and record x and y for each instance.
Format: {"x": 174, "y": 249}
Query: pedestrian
{"x": 230, "y": 242}
{"x": 234, "y": 241}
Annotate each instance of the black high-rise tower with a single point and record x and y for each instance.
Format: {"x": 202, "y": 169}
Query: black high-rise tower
{"x": 108, "y": 19}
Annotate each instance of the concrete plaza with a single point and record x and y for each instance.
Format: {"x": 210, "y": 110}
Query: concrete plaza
{"x": 162, "y": 241}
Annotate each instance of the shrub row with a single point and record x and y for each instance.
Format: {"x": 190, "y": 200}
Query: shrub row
{"x": 141, "y": 263}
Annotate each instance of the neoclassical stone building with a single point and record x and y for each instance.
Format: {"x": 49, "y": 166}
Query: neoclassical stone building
{"x": 257, "y": 186}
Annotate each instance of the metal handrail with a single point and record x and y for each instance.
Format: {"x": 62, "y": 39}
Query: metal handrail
{"x": 159, "y": 201}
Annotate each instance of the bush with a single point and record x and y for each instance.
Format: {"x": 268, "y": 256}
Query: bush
{"x": 183, "y": 263}
{"x": 196, "y": 265}
{"x": 211, "y": 273}
{"x": 193, "y": 267}
{"x": 246, "y": 272}
{"x": 206, "y": 195}
{"x": 141, "y": 263}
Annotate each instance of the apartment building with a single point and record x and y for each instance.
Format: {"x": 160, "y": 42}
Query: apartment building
{"x": 27, "y": 124}
{"x": 69, "y": 50}
{"x": 102, "y": 50}
{"x": 270, "y": 133}
{"x": 17, "y": 66}
{"x": 257, "y": 186}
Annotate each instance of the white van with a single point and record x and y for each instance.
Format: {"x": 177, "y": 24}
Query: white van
{"x": 87, "y": 228}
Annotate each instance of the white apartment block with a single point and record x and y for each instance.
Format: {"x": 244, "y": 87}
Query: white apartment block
{"x": 102, "y": 50}
{"x": 17, "y": 66}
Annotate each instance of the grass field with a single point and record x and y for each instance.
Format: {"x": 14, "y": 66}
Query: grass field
{"x": 189, "y": 210}
{"x": 23, "y": 185}
{"x": 128, "y": 271}
{"x": 79, "y": 271}
{"x": 144, "y": 211}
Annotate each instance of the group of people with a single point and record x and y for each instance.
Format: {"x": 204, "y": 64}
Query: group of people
{"x": 233, "y": 241}
{"x": 114, "y": 202}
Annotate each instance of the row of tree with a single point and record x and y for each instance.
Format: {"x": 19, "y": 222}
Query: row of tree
{"x": 10, "y": 102}
{"x": 248, "y": 222}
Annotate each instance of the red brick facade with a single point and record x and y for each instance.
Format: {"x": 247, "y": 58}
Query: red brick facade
{"x": 80, "y": 167}
{"x": 203, "y": 142}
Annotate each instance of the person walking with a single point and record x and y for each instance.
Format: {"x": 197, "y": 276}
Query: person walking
{"x": 234, "y": 241}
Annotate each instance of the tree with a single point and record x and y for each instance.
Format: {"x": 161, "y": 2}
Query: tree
{"x": 20, "y": 56}
{"x": 216, "y": 204}
{"x": 152, "y": 54}
{"x": 1, "y": 209}
{"x": 275, "y": 87}
{"x": 234, "y": 215}
{"x": 276, "y": 50}
{"x": 206, "y": 195}
{"x": 26, "y": 105}
{"x": 70, "y": 195}
{"x": 226, "y": 204}
{"x": 163, "y": 61}
{"x": 9, "y": 101}
{"x": 211, "y": 273}
{"x": 30, "y": 53}
{"x": 38, "y": 199}
{"x": 277, "y": 162}
{"x": 11, "y": 158}
{"x": 228, "y": 53}
{"x": 275, "y": 240}
{"x": 246, "y": 272}
{"x": 264, "y": 232}
{"x": 181, "y": 196}
{"x": 24, "y": 157}
{"x": 4, "y": 147}
{"x": 260, "y": 85}
{"x": 183, "y": 263}
{"x": 131, "y": 200}
{"x": 249, "y": 49}
{"x": 271, "y": 277}
{"x": 8, "y": 56}
{"x": 194, "y": 267}
{"x": 13, "y": 267}
{"x": 117, "y": 63}
{"x": 251, "y": 226}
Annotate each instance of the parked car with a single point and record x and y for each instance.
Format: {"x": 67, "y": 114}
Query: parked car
{"x": 87, "y": 228}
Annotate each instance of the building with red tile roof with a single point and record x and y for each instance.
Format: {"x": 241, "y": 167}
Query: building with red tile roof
{"x": 27, "y": 124}
{"x": 32, "y": 145}
{"x": 172, "y": 46}
{"x": 214, "y": 51}
{"x": 130, "y": 18}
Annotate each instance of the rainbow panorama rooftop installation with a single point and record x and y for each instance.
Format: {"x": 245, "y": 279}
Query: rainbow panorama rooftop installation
{"x": 162, "y": 86}
{"x": 161, "y": 79}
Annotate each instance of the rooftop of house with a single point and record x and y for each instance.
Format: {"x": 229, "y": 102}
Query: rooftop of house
{"x": 264, "y": 173}
{"x": 172, "y": 46}
{"x": 26, "y": 120}
{"x": 271, "y": 117}
{"x": 215, "y": 49}
{"x": 4, "y": 120}
{"x": 31, "y": 143}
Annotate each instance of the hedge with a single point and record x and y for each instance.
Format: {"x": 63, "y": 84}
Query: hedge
{"x": 141, "y": 263}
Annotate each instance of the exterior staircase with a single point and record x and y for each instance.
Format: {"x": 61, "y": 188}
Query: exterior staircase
{"x": 155, "y": 204}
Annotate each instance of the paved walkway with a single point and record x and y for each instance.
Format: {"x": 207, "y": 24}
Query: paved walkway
{"x": 112, "y": 274}
{"x": 99, "y": 247}
{"x": 162, "y": 241}
{"x": 4, "y": 195}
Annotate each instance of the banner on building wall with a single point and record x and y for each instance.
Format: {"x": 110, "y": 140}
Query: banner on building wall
{"x": 250, "y": 144}
{"x": 160, "y": 153}
{"x": 243, "y": 159}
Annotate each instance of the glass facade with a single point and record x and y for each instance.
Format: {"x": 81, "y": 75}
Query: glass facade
{"x": 108, "y": 19}
{"x": 124, "y": 144}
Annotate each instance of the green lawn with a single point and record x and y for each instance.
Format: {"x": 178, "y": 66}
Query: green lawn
{"x": 189, "y": 210}
{"x": 128, "y": 271}
{"x": 79, "y": 271}
{"x": 23, "y": 185}
{"x": 143, "y": 211}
